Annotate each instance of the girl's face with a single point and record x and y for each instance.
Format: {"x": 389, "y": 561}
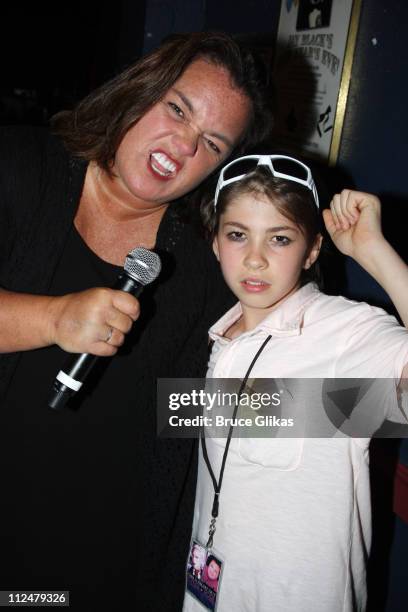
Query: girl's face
{"x": 262, "y": 255}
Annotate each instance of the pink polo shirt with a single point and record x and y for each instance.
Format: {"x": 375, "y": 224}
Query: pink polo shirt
{"x": 314, "y": 336}
{"x": 294, "y": 526}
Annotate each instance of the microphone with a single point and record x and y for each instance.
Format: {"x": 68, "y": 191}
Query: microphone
{"x": 141, "y": 268}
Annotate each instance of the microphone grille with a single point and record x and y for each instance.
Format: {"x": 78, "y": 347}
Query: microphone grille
{"x": 143, "y": 265}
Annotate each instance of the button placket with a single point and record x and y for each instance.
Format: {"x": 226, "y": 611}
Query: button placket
{"x": 226, "y": 360}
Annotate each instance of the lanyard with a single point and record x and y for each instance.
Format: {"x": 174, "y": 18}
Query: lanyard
{"x": 217, "y": 485}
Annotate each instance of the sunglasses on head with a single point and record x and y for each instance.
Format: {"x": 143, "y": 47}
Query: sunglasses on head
{"x": 281, "y": 166}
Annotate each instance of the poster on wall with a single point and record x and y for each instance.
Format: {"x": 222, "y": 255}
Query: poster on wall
{"x": 314, "y": 55}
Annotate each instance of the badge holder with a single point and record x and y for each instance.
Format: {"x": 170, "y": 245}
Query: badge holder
{"x": 204, "y": 573}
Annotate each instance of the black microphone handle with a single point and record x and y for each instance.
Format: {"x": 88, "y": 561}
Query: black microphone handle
{"x": 77, "y": 367}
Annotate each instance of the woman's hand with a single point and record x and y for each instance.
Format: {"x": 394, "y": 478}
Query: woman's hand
{"x": 354, "y": 223}
{"x": 93, "y": 321}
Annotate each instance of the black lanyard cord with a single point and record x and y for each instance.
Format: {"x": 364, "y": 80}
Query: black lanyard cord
{"x": 217, "y": 486}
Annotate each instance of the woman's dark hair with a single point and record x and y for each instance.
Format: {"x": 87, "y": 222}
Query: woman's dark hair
{"x": 212, "y": 558}
{"x": 95, "y": 128}
{"x": 292, "y": 200}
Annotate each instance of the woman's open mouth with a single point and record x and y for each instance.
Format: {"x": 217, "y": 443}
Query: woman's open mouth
{"x": 162, "y": 165}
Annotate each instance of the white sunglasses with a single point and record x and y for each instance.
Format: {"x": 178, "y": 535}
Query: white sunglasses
{"x": 267, "y": 160}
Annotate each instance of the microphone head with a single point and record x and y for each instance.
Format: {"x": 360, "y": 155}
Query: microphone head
{"x": 142, "y": 265}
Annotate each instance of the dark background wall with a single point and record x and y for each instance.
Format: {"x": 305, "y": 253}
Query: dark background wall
{"x": 51, "y": 57}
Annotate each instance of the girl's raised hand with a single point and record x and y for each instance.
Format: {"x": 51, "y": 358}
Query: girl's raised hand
{"x": 354, "y": 223}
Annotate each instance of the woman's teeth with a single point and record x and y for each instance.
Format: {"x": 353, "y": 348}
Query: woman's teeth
{"x": 163, "y": 166}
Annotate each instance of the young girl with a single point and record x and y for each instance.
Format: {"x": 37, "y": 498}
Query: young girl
{"x": 292, "y": 516}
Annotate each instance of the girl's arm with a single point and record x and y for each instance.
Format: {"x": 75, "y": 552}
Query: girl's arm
{"x": 354, "y": 224}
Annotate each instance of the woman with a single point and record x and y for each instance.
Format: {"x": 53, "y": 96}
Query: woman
{"x": 96, "y": 503}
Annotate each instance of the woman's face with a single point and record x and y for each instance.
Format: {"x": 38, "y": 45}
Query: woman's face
{"x": 262, "y": 254}
{"x": 213, "y": 570}
{"x": 197, "y": 558}
{"x": 182, "y": 138}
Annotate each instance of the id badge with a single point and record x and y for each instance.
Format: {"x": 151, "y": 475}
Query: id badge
{"x": 204, "y": 572}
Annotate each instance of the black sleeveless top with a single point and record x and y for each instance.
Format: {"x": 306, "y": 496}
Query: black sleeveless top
{"x": 78, "y": 269}
{"x": 65, "y": 477}
{"x": 75, "y": 500}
